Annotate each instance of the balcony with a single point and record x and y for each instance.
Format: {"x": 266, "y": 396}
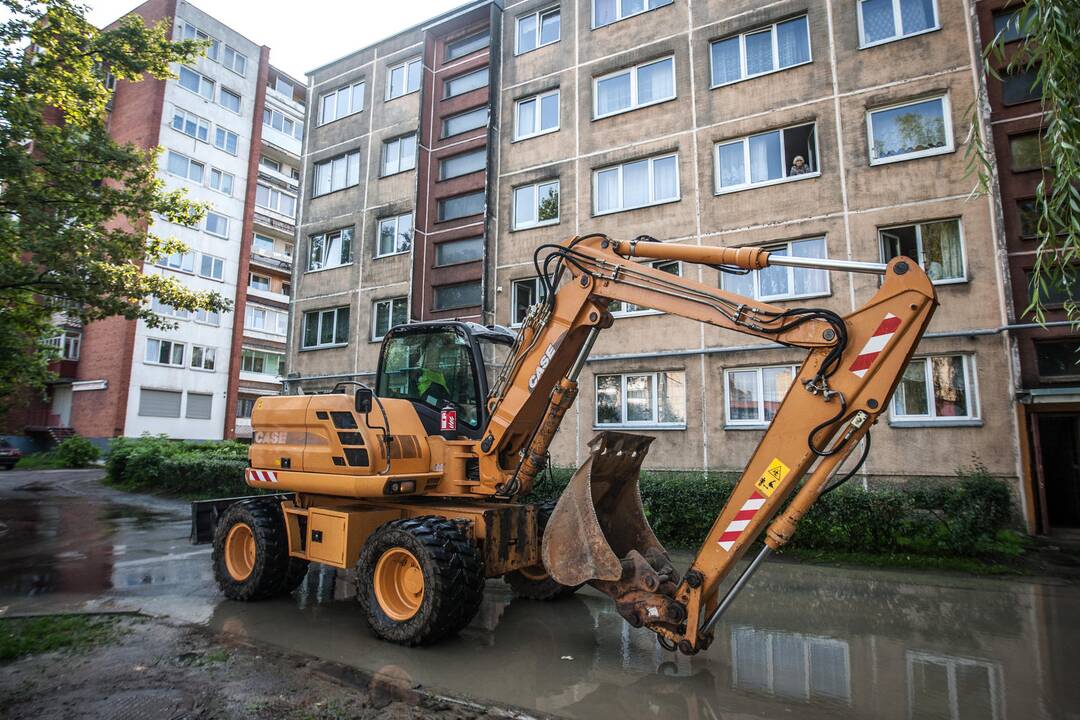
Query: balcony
{"x": 280, "y": 178}
{"x": 285, "y": 100}
{"x": 285, "y": 143}
{"x": 277, "y": 261}
{"x": 275, "y": 221}
{"x": 268, "y": 295}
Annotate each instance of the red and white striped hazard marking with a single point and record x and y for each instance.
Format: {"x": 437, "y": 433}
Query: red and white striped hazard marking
{"x": 875, "y": 344}
{"x": 267, "y": 476}
{"x": 742, "y": 519}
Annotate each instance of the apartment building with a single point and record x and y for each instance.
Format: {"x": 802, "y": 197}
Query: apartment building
{"x": 1044, "y": 357}
{"x": 229, "y": 127}
{"x": 811, "y": 128}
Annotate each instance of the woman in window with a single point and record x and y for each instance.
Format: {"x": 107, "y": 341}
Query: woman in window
{"x": 798, "y": 166}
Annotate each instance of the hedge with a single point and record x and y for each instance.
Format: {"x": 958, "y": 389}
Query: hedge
{"x": 190, "y": 469}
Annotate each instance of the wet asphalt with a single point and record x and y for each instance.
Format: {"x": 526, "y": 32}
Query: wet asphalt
{"x": 800, "y": 642}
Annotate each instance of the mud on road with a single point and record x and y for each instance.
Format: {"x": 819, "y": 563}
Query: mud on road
{"x": 158, "y": 670}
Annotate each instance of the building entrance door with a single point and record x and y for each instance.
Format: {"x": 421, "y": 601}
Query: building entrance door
{"x": 1059, "y": 448}
{"x": 61, "y": 404}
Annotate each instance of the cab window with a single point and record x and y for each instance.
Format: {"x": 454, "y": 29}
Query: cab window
{"x": 432, "y": 369}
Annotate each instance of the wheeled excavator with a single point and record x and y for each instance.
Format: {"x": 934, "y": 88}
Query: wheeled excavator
{"x": 420, "y": 483}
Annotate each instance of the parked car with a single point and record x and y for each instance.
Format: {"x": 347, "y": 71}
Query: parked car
{"x": 9, "y": 455}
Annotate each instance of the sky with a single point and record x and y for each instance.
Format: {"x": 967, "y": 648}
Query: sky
{"x": 303, "y": 34}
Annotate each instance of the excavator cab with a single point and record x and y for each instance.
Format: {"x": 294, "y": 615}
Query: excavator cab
{"x": 445, "y": 369}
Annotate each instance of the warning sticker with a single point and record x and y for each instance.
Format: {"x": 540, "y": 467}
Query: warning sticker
{"x": 772, "y": 477}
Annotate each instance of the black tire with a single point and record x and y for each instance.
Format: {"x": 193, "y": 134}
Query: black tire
{"x": 453, "y": 574}
{"x": 534, "y": 583}
{"x": 273, "y": 572}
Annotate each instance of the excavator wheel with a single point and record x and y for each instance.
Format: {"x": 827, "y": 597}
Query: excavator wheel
{"x": 419, "y": 580}
{"x": 251, "y": 552}
{"x": 534, "y": 582}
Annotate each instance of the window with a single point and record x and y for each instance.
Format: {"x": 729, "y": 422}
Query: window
{"x": 461, "y": 206}
{"x": 262, "y": 245}
{"x": 1027, "y": 212}
{"x": 277, "y": 120}
{"x": 167, "y": 310}
{"x": 399, "y": 155}
{"x": 1020, "y": 86}
{"x": 403, "y": 79}
{"x": 221, "y": 181}
{"x": 767, "y": 158}
{"x": 211, "y": 267}
{"x": 337, "y": 173}
{"x": 178, "y": 261}
{"x": 326, "y": 328}
{"x": 791, "y": 665}
{"x": 273, "y": 199}
{"x": 452, "y": 252}
{"x": 395, "y": 235}
{"x": 191, "y": 125}
{"x": 536, "y": 205}
{"x": 1054, "y": 293}
{"x": 636, "y": 184}
{"x": 67, "y": 344}
{"x": 458, "y": 295}
{"x": 202, "y": 357}
{"x": 783, "y": 283}
{"x": 936, "y": 388}
{"x": 225, "y": 140}
{"x": 229, "y": 100}
{"x": 526, "y": 293}
{"x": 909, "y": 131}
{"x": 752, "y": 396}
{"x": 463, "y": 122}
{"x": 164, "y": 352}
{"x": 467, "y": 45}
{"x": 655, "y": 398}
{"x": 537, "y": 29}
{"x": 386, "y": 314}
{"x": 341, "y": 102}
{"x": 269, "y": 163}
{"x": 938, "y": 247}
{"x": 207, "y": 318}
{"x": 618, "y": 307}
{"x": 606, "y": 12}
{"x": 536, "y": 115}
{"x": 190, "y": 32}
{"x": 1007, "y": 25}
{"x": 330, "y": 250}
{"x": 882, "y": 21}
{"x": 217, "y": 224}
{"x": 196, "y": 83}
{"x": 762, "y": 51}
{"x": 1056, "y": 359}
{"x": 234, "y": 60}
{"x": 244, "y": 406}
{"x": 634, "y": 88}
{"x": 462, "y": 164}
{"x": 159, "y": 403}
{"x": 465, "y": 83}
{"x": 198, "y": 406}
{"x": 262, "y": 363}
{"x": 266, "y": 320}
{"x": 1026, "y": 151}
{"x": 259, "y": 282}
{"x": 185, "y": 167}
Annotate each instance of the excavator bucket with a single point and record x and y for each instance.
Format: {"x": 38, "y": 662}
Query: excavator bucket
{"x": 599, "y": 522}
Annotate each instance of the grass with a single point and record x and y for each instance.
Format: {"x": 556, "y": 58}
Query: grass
{"x": 39, "y": 461}
{"x": 970, "y": 565}
{"x": 28, "y": 636}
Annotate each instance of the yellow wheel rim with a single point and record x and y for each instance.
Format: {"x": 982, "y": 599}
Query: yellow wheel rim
{"x": 399, "y": 584}
{"x": 240, "y": 552}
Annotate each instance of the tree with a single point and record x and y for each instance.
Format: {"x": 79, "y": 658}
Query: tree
{"x": 75, "y": 206}
{"x": 1051, "y": 53}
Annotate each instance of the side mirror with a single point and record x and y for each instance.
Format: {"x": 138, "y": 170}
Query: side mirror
{"x": 363, "y": 400}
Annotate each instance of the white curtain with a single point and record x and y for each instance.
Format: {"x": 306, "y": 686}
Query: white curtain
{"x": 665, "y": 179}
{"x": 765, "y": 157}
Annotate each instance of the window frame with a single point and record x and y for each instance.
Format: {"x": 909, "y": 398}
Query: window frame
{"x": 251, "y": 278}
{"x": 620, "y": 17}
{"x": 439, "y": 205}
{"x": 351, "y": 89}
{"x": 654, "y": 401}
{"x": 173, "y": 344}
{"x": 226, "y": 133}
{"x": 200, "y": 124}
{"x": 775, "y": 51}
{"x": 971, "y": 390}
{"x": 214, "y": 262}
{"x": 340, "y": 232}
{"x": 447, "y": 94}
{"x": 759, "y": 389}
{"x": 222, "y": 174}
{"x": 207, "y": 351}
{"x": 206, "y": 224}
{"x": 222, "y": 90}
{"x": 405, "y": 64}
{"x": 435, "y": 294}
{"x": 538, "y": 98}
{"x": 919, "y": 246}
{"x": 539, "y": 15}
{"x": 190, "y": 161}
{"x": 538, "y": 290}
{"x": 251, "y": 352}
{"x": 487, "y": 121}
{"x": 515, "y": 224}
{"x": 655, "y": 264}
{"x": 163, "y": 262}
{"x": 448, "y": 58}
{"x": 756, "y": 274}
{"x": 950, "y": 141}
{"x": 274, "y": 312}
{"x": 202, "y": 80}
{"x": 398, "y": 141}
{"x": 633, "y": 71}
{"x": 441, "y": 243}
{"x": 596, "y": 184}
{"x": 750, "y": 184}
{"x": 328, "y": 164}
{"x": 242, "y": 72}
{"x": 389, "y": 302}
{"x": 1012, "y": 155}
{"x": 396, "y": 219}
{"x": 318, "y": 331}
{"x": 480, "y": 151}
{"x": 897, "y": 25}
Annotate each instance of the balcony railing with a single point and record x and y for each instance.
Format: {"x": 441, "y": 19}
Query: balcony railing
{"x": 279, "y": 261}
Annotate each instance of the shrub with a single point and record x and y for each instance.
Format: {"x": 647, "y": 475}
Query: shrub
{"x": 77, "y": 452}
{"x": 191, "y": 469}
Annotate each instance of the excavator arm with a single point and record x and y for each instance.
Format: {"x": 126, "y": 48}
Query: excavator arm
{"x": 598, "y": 533}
